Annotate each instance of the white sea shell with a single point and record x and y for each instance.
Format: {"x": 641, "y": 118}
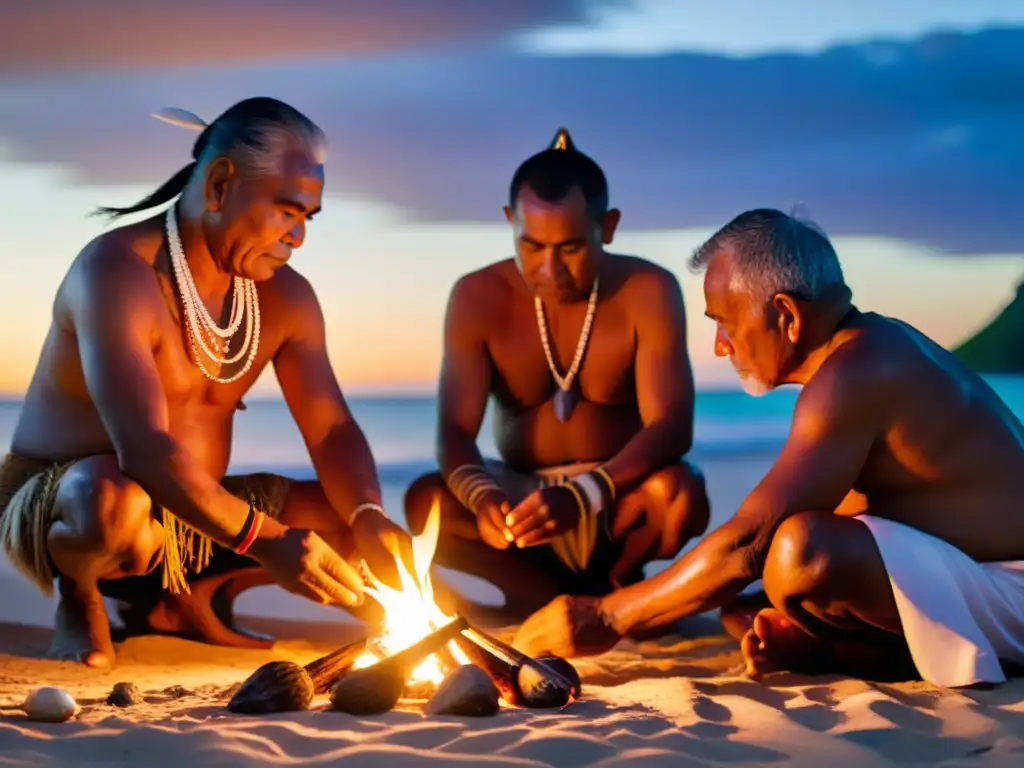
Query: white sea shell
{"x": 50, "y": 705}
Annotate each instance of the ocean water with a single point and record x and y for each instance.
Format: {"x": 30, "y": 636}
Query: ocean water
{"x": 729, "y": 423}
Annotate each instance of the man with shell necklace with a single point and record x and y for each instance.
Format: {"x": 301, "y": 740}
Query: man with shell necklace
{"x": 115, "y": 481}
{"x": 583, "y": 355}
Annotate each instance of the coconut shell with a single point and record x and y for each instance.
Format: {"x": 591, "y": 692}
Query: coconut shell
{"x": 369, "y": 694}
{"x": 566, "y": 670}
{"x": 278, "y": 686}
{"x": 467, "y": 691}
{"x": 541, "y": 691}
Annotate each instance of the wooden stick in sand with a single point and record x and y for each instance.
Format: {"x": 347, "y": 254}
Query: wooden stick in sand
{"x": 284, "y": 686}
{"x": 377, "y": 688}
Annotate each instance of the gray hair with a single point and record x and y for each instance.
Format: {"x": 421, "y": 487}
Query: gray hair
{"x": 775, "y": 253}
{"x": 258, "y": 144}
{"x": 255, "y": 132}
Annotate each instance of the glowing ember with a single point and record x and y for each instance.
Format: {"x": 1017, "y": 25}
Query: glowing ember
{"x": 410, "y": 613}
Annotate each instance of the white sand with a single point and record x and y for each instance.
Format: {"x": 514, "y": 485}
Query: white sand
{"x": 676, "y": 702}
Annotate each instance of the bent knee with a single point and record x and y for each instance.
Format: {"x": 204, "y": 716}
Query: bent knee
{"x": 101, "y": 506}
{"x": 676, "y": 503}
{"x": 804, "y": 554}
{"x": 421, "y": 496}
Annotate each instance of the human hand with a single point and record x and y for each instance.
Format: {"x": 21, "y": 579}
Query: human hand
{"x": 304, "y": 564}
{"x": 567, "y": 627}
{"x": 544, "y": 515}
{"x": 383, "y": 544}
{"x": 490, "y": 513}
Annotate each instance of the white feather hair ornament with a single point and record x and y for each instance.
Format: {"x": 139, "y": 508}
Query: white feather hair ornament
{"x": 181, "y": 118}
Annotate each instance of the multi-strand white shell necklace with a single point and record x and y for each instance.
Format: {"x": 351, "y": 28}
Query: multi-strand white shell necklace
{"x": 207, "y": 338}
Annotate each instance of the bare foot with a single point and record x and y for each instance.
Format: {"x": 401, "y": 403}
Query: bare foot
{"x": 204, "y": 615}
{"x": 82, "y": 631}
{"x": 738, "y": 614}
{"x": 775, "y": 644}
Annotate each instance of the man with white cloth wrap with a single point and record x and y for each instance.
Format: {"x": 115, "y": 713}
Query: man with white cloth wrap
{"x": 888, "y": 534}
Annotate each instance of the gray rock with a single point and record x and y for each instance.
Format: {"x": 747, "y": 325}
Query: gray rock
{"x": 125, "y": 695}
{"x": 467, "y": 691}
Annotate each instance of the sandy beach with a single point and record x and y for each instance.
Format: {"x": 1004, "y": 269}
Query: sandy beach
{"x": 681, "y": 700}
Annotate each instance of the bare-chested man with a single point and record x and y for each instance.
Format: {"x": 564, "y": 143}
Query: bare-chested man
{"x": 115, "y": 483}
{"x": 887, "y": 531}
{"x": 584, "y": 354}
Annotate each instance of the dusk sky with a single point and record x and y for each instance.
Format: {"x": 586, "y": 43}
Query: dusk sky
{"x": 898, "y": 125}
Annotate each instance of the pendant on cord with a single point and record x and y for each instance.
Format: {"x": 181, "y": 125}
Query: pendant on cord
{"x": 565, "y": 402}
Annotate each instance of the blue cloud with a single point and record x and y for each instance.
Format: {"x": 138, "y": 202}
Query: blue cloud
{"x": 920, "y": 140}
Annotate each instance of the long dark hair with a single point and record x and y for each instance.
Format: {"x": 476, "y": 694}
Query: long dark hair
{"x": 252, "y": 125}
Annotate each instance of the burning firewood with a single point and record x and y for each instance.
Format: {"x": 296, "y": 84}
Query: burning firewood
{"x": 284, "y": 686}
{"x": 377, "y": 688}
{"x": 521, "y": 679}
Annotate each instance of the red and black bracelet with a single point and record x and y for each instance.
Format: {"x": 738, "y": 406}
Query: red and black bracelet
{"x": 250, "y": 530}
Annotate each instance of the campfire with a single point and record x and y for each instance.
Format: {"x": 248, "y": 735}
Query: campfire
{"x": 419, "y": 653}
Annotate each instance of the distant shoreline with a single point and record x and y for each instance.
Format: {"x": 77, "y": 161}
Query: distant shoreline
{"x": 425, "y": 395}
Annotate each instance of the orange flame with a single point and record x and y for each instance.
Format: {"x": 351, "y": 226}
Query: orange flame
{"x": 410, "y": 613}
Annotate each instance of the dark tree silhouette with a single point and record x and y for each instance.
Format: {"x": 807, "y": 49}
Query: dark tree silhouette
{"x": 999, "y": 346}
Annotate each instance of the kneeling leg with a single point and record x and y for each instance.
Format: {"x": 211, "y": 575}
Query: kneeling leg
{"x": 657, "y": 519}
{"x": 102, "y": 529}
{"x": 206, "y": 612}
{"x": 832, "y": 606}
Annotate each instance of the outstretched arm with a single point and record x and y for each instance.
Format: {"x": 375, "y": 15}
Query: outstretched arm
{"x": 337, "y": 446}
{"x": 113, "y": 301}
{"x": 837, "y": 418}
{"x": 664, "y": 387}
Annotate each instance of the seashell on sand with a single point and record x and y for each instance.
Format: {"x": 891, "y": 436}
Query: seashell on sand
{"x": 125, "y": 695}
{"x": 50, "y": 705}
{"x": 467, "y": 691}
{"x": 277, "y": 686}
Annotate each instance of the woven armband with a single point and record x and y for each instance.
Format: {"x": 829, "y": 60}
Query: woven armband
{"x": 469, "y": 483}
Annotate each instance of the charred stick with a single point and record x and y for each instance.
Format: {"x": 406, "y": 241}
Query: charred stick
{"x": 327, "y": 670}
{"x": 502, "y": 671}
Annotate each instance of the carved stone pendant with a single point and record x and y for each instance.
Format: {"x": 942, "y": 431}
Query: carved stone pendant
{"x": 564, "y": 403}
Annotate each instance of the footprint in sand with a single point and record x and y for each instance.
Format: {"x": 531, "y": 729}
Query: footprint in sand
{"x": 904, "y": 716}
{"x": 709, "y": 709}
